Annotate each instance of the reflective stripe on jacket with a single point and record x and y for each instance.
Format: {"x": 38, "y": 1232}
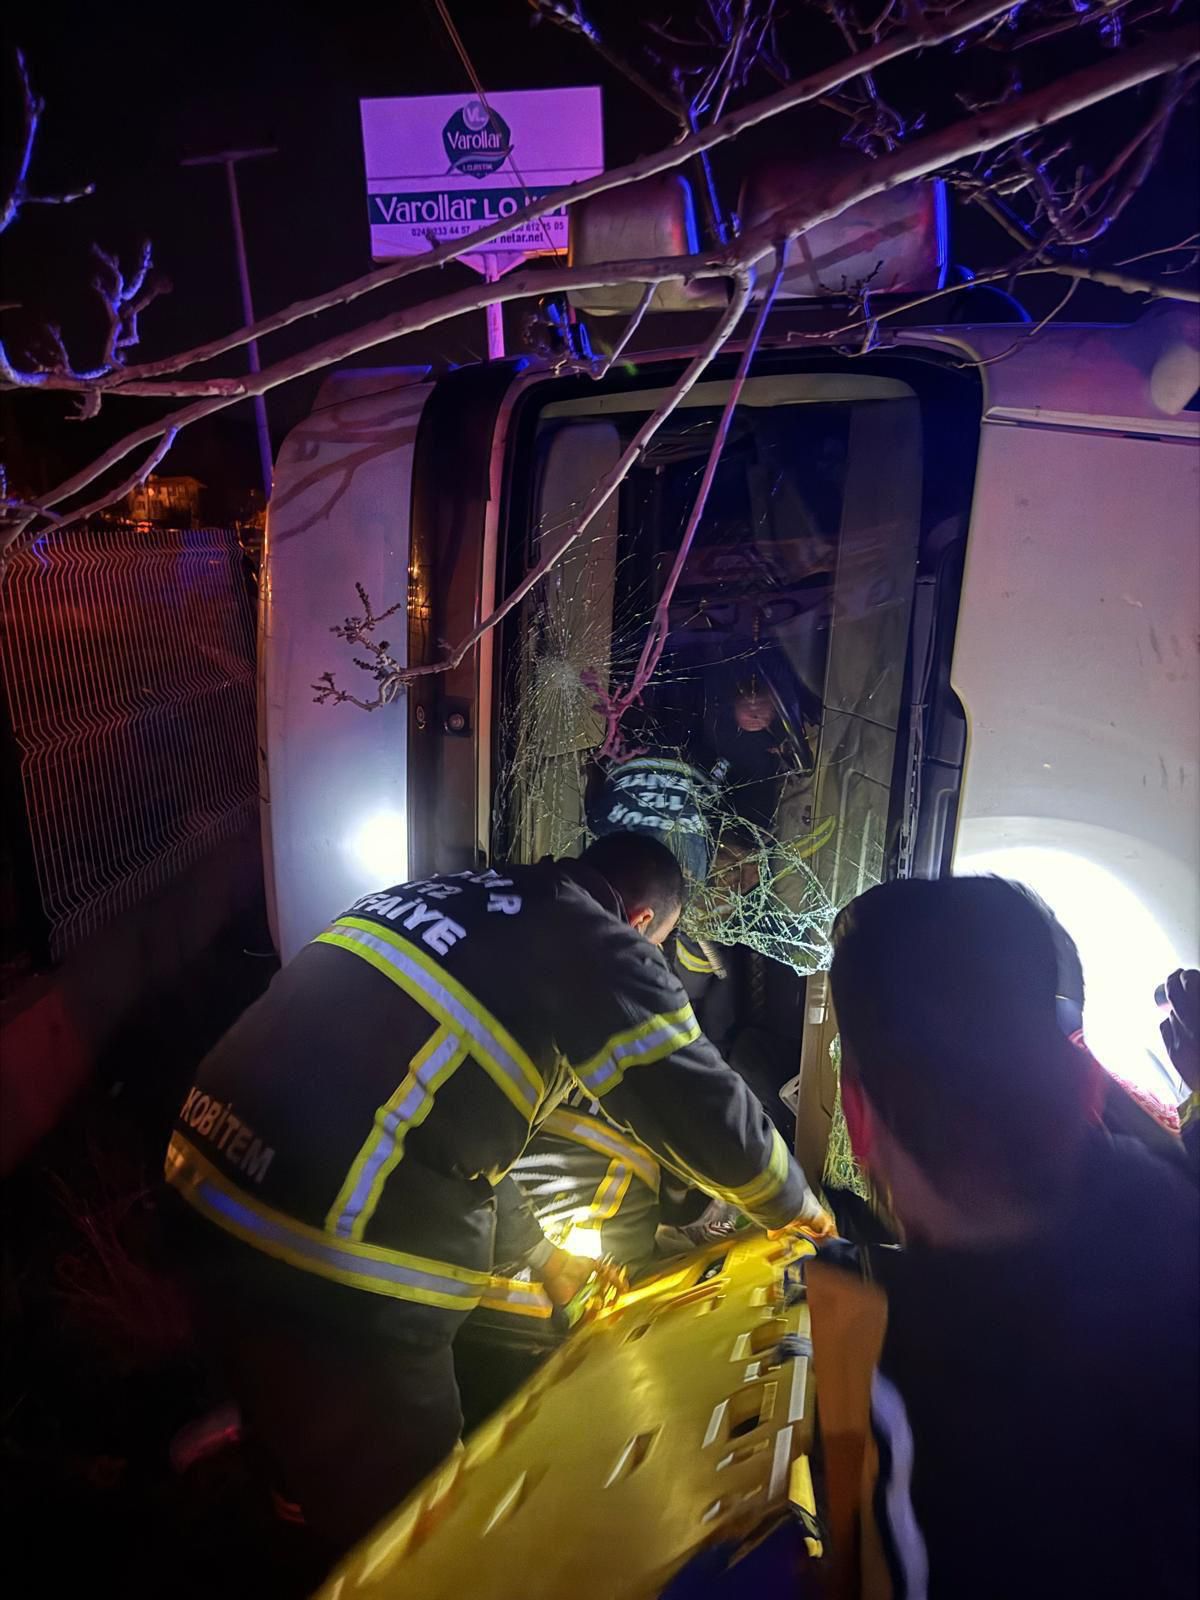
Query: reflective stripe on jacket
{"x": 354, "y": 1121}
{"x": 581, "y": 1172}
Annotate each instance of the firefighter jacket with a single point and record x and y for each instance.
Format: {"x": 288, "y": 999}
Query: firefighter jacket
{"x": 582, "y": 1171}
{"x": 584, "y": 1185}
{"x": 354, "y": 1121}
{"x": 695, "y": 967}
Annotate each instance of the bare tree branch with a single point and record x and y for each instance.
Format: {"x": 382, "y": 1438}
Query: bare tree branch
{"x": 19, "y": 194}
{"x": 1161, "y": 54}
{"x": 124, "y": 299}
{"x": 614, "y": 706}
{"x": 870, "y": 320}
{"x": 631, "y": 327}
{"x": 516, "y": 286}
{"x": 13, "y": 506}
{"x": 570, "y": 16}
{"x": 390, "y": 682}
{"x": 1117, "y": 280}
{"x": 1189, "y": 246}
{"x": 952, "y": 25}
{"x": 382, "y": 666}
{"x": 1110, "y": 18}
{"x": 1028, "y": 334}
{"x": 988, "y": 204}
{"x": 549, "y": 335}
{"x": 1095, "y": 206}
{"x": 126, "y": 486}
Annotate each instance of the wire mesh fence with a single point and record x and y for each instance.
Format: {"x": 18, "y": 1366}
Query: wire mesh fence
{"x": 128, "y": 666}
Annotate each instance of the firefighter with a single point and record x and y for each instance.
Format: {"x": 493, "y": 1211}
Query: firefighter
{"x": 339, "y": 1151}
{"x": 594, "y": 1189}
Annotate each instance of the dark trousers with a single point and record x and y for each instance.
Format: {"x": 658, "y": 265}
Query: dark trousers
{"x": 348, "y": 1419}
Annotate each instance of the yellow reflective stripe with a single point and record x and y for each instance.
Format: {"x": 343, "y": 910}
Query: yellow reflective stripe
{"x": 359, "y": 1266}
{"x": 605, "y": 1141}
{"x": 445, "y": 999}
{"x": 518, "y": 1298}
{"x": 662, "y": 764}
{"x": 440, "y": 1056}
{"x": 649, "y": 1041}
{"x": 801, "y": 850}
{"x": 680, "y": 1168}
{"x": 614, "y": 1187}
{"x": 749, "y": 1196}
{"x": 773, "y": 1178}
{"x": 691, "y": 962}
{"x": 819, "y": 836}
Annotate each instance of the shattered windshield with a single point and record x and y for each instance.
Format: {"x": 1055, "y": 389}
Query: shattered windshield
{"x": 762, "y": 750}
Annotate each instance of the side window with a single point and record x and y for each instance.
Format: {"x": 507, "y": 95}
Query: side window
{"x": 563, "y": 662}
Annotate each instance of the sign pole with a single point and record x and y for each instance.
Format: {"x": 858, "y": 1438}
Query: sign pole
{"x": 229, "y": 160}
{"x": 495, "y": 314}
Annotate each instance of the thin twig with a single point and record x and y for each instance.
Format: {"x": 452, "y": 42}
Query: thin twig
{"x": 19, "y": 195}
{"x": 1008, "y": 274}
{"x": 1029, "y": 334}
{"x": 631, "y": 327}
{"x": 1191, "y": 243}
{"x": 615, "y": 706}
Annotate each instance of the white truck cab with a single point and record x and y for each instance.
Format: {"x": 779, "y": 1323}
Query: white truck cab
{"x": 972, "y": 552}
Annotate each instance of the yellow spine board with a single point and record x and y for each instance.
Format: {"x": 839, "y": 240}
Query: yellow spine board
{"x": 667, "y": 1423}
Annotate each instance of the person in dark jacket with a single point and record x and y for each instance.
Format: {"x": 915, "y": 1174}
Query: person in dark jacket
{"x": 1009, "y": 1402}
{"x": 341, "y": 1146}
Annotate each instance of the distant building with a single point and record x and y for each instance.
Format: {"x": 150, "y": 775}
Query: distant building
{"x": 170, "y": 502}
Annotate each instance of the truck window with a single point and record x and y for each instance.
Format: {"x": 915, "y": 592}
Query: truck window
{"x": 781, "y": 683}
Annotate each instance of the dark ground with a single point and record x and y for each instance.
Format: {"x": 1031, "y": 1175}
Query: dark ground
{"x": 97, "y": 1373}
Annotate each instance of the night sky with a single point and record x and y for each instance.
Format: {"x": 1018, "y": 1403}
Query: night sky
{"x": 130, "y": 93}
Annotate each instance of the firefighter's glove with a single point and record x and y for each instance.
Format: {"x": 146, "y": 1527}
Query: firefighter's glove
{"x": 563, "y": 1275}
{"x": 814, "y": 1222}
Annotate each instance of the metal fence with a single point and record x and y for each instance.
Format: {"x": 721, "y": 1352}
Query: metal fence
{"x": 128, "y": 663}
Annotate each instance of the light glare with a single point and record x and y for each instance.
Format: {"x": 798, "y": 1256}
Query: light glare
{"x": 1125, "y": 955}
{"x": 581, "y": 1241}
{"x": 380, "y": 847}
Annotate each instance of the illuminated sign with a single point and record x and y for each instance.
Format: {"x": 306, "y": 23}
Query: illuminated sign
{"x": 441, "y": 166}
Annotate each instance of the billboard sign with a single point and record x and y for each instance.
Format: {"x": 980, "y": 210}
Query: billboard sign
{"x": 441, "y": 166}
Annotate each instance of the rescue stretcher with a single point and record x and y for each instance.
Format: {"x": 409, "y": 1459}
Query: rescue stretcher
{"x": 675, "y": 1422}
